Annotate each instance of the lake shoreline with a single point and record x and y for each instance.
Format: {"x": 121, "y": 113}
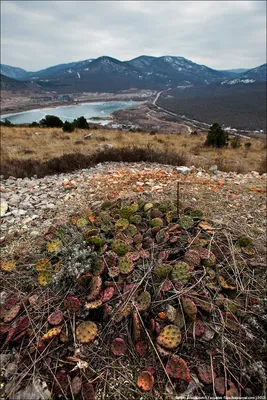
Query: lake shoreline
{"x": 67, "y": 105}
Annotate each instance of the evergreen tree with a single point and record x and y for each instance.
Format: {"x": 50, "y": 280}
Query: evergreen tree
{"x": 216, "y": 137}
{"x": 81, "y": 123}
{"x": 68, "y": 127}
{"x": 51, "y": 121}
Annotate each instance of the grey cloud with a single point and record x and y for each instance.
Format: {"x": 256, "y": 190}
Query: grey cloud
{"x": 220, "y": 34}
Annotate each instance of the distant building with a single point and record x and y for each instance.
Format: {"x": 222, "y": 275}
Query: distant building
{"x": 65, "y": 97}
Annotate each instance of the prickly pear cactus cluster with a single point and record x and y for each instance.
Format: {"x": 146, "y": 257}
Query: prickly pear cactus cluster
{"x": 128, "y": 274}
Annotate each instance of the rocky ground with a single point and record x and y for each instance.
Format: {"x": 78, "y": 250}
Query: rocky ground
{"x": 29, "y": 206}
{"x": 222, "y": 331}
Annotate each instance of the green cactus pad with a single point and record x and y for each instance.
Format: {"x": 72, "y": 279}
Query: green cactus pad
{"x": 131, "y": 230}
{"x": 136, "y": 219}
{"x": 169, "y": 337}
{"x": 122, "y": 224}
{"x": 119, "y": 247}
{"x": 128, "y": 211}
{"x": 143, "y": 301}
{"x": 163, "y": 271}
{"x": 162, "y": 236}
{"x": 208, "y": 259}
{"x": 147, "y": 207}
{"x": 156, "y": 222}
{"x": 126, "y": 265}
{"x": 189, "y": 308}
{"x": 186, "y": 222}
{"x": 86, "y": 332}
{"x": 96, "y": 242}
{"x": 180, "y": 272}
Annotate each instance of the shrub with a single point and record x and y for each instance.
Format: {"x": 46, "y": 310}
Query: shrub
{"x": 248, "y": 145}
{"x": 6, "y": 122}
{"x": 194, "y": 133}
{"x": 216, "y": 137}
{"x": 68, "y": 127}
{"x": 34, "y": 124}
{"x": 236, "y": 142}
{"x": 81, "y": 123}
{"x": 51, "y": 121}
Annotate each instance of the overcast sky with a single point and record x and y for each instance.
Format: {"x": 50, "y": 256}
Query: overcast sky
{"x": 219, "y": 34}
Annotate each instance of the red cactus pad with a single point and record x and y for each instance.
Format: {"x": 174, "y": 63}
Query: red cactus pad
{"x": 84, "y": 280}
{"x": 95, "y": 288}
{"x": 61, "y": 382}
{"x": 166, "y": 286}
{"x": 136, "y": 327}
{"x": 22, "y": 324}
{"x": 118, "y": 347}
{"x": 205, "y": 374}
{"x": 145, "y": 381}
{"x": 178, "y": 368}
{"x": 10, "y": 335}
{"x": 12, "y": 313}
{"x": 219, "y": 385}
{"x": 76, "y": 385}
{"x": 106, "y": 294}
{"x": 88, "y": 391}
{"x": 114, "y": 271}
{"x": 55, "y": 318}
{"x": 192, "y": 257}
{"x": 72, "y": 304}
{"x": 199, "y": 327}
{"x": 10, "y": 302}
{"x": 4, "y": 328}
{"x": 141, "y": 348}
{"x": 162, "y": 352}
{"x": 17, "y": 338}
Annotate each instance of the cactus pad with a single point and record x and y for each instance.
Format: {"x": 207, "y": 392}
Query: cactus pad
{"x": 143, "y": 301}
{"x": 208, "y": 259}
{"x": 136, "y": 327}
{"x": 95, "y": 287}
{"x": 147, "y": 207}
{"x": 163, "y": 271}
{"x": 8, "y": 266}
{"x": 177, "y": 368}
{"x": 43, "y": 264}
{"x": 76, "y": 385}
{"x": 93, "y": 305}
{"x": 162, "y": 237}
{"x": 45, "y": 278}
{"x": 107, "y": 294}
{"x": 51, "y": 334}
{"x": 224, "y": 284}
{"x": 171, "y": 313}
{"x": 88, "y": 391}
{"x": 54, "y": 247}
{"x": 55, "y": 318}
{"x": 169, "y": 337}
{"x": 96, "y": 242}
{"x": 145, "y": 381}
{"x": 72, "y": 304}
{"x": 192, "y": 257}
{"x": 128, "y": 211}
{"x": 131, "y": 230}
{"x": 199, "y": 328}
{"x": 118, "y": 347}
{"x": 86, "y": 332}
{"x": 180, "y": 272}
{"x": 113, "y": 272}
{"x": 126, "y": 265}
{"x": 122, "y": 224}
{"x": 186, "y": 222}
{"x": 156, "y": 222}
{"x": 119, "y": 247}
{"x": 219, "y": 385}
{"x": 189, "y": 308}
{"x": 12, "y": 313}
{"x": 205, "y": 374}
{"x": 141, "y": 348}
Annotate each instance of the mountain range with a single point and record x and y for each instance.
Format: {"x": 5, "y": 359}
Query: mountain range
{"x": 107, "y": 74}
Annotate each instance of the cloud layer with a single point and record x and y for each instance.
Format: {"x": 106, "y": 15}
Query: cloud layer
{"x": 219, "y": 34}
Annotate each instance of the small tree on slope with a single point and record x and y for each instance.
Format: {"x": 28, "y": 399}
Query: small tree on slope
{"x": 217, "y": 137}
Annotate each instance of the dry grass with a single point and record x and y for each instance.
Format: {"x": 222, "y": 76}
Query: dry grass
{"x": 25, "y": 143}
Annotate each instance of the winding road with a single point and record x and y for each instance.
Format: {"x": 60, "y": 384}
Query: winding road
{"x": 165, "y": 111}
